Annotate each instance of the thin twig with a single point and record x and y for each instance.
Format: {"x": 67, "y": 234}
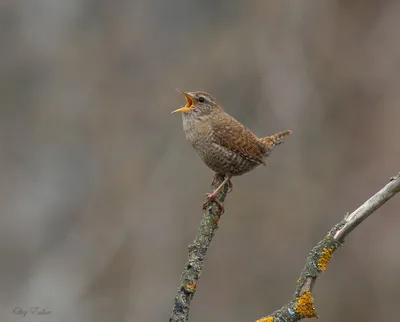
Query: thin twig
{"x": 196, "y": 256}
{"x": 302, "y": 304}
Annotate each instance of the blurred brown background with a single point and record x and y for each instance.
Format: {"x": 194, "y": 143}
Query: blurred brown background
{"x": 101, "y": 194}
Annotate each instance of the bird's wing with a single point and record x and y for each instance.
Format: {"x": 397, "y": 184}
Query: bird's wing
{"x": 232, "y": 135}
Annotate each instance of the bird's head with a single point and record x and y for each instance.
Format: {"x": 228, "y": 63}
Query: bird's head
{"x": 199, "y": 105}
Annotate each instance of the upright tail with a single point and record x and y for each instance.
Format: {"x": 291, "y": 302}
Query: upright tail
{"x": 269, "y": 142}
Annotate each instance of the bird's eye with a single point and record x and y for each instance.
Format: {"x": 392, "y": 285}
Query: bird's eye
{"x": 202, "y": 99}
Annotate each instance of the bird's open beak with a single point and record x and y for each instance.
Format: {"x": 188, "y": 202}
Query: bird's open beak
{"x": 189, "y": 103}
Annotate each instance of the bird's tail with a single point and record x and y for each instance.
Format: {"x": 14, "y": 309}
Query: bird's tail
{"x": 269, "y": 142}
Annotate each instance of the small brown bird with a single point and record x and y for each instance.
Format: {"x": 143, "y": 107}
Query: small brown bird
{"x": 224, "y": 144}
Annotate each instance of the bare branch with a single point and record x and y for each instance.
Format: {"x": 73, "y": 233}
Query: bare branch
{"x": 366, "y": 209}
{"x": 196, "y": 257}
{"x": 302, "y": 304}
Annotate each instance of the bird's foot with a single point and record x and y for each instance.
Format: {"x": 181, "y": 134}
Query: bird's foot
{"x": 213, "y": 196}
{"x": 229, "y": 182}
{"x": 216, "y": 177}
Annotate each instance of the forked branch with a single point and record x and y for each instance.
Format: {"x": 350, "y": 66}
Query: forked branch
{"x": 302, "y": 304}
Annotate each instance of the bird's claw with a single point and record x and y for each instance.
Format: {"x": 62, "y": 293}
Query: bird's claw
{"x": 230, "y": 185}
{"x": 212, "y": 196}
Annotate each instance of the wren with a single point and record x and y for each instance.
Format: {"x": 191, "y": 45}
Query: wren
{"x": 224, "y": 144}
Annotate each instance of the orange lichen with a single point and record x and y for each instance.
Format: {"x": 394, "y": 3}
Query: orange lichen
{"x": 266, "y": 319}
{"x": 304, "y": 305}
{"x": 190, "y": 287}
{"x": 325, "y": 258}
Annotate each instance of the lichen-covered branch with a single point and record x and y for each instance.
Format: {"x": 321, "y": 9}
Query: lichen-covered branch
{"x": 197, "y": 254}
{"x": 302, "y": 304}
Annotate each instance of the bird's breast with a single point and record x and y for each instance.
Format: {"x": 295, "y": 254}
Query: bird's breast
{"x": 196, "y": 131}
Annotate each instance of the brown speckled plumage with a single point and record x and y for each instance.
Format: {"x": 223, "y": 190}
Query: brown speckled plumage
{"x": 224, "y": 144}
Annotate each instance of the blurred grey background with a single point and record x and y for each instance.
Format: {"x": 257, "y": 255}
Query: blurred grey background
{"x": 101, "y": 194}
